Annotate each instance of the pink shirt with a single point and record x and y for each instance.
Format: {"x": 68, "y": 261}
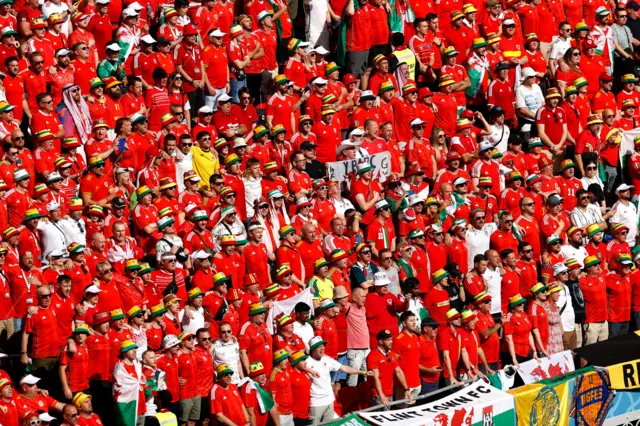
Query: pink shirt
{"x": 357, "y": 328}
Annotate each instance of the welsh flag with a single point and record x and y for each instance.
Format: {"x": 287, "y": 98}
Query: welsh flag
{"x": 264, "y": 398}
{"x": 126, "y": 390}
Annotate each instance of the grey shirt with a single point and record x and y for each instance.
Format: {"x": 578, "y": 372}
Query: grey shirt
{"x": 622, "y": 35}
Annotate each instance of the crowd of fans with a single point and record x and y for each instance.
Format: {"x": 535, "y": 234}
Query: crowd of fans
{"x": 165, "y": 183}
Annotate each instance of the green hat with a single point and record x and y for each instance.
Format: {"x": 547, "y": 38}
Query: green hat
{"x": 316, "y": 341}
{"x": 127, "y": 346}
{"x": 31, "y": 214}
{"x": 3, "y": 2}
{"x": 516, "y": 300}
{"x": 439, "y": 275}
{"x": 319, "y": 263}
{"x": 331, "y": 67}
{"x": 363, "y": 168}
{"x": 297, "y": 357}
{"x": 538, "y": 288}
{"x": 591, "y": 261}
{"x": 145, "y": 268}
{"x": 581, "y": 26}
{"x": 260, "y": 131}
{"x": 257, "y": 308}
{"x": 280, "y": 355}
{"x": 223, "y": 369}
{"x": 479, "y": 42}
{"x": 81, "y": 329}
{"x": 195, "y": 292}
{"x": 535, "y": 142}
{"x": 241, "y": 241}
{"x": 231, "y": 159}
{"x": 286, "y": 230}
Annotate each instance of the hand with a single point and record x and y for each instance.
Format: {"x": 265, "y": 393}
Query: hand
{"x": 24, "y": 359}
{"x": 32, "y": 310}
{"x": 196, "y": 84}
{"x": 546, "y": 264}
{"x": 384, "y": 400}
{"x": 182, "y": 381}
{"x": 447, "y": 239}
{"x": 3, "y": 409}
{"x": 67, "y": 393}
{"x": 52, "y": 70}
{"x": 408, "y": 397}
{"x": 455, "y": 381}
{"x": 490, "y": 371}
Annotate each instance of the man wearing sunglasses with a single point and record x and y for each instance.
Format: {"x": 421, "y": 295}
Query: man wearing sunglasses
{"x": 551, "y": 121}
{"x": 204, "y": 366}
{"x": 626, "y": 212}
{"x": 556, "y": 221}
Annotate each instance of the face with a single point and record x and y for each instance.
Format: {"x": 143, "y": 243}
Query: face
{"x": 46, "y": 104}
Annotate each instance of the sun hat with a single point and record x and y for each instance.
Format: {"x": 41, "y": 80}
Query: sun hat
{"x": 516, "y": 300}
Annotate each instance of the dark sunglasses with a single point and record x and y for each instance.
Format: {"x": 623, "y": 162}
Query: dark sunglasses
{"x": 366, "y": 252}
{"x": 205, "y": 339}
{"x": 225, "y": 331}
{"x": 44, "y": 296}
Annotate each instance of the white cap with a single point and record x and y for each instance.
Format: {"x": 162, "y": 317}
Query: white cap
{"x": 559, "y": 268}
{"x": 436, "y": 227}
{"x": 56, "y": 253}
{"x": 62, "y": 52}
{"x": 92, "y": 289}
{"x": 29, "y": 379}
{"x": 408, "y": 214}
{"x": 239, "y": 143}
{"x": 367, "y": 94}
{"x": 103, "y": 1}
{"x": 320, "y": 50}
{"x": 115, "y": 47}
{"x": 319, "y": 80}
{"x": 623, "y": 187}
{"x": 527, "y": 72}
{"x": 414, "y": 199}
{"x": 216, "y": 33}
{"x": 380, "y": 279}
{"x": 200, "y": 254}
{"x": 485, "y": 145}
{"x": 223, "y": 98}
{"x": 169, "y": 341}
{"x": 302, "y": 200}
{"x": 148, "y": 39}
{"x": 460, "y": 181}
{"x": 135, "y": 6}
{"x": 128, "y": 12}
{"x": 53, "y": 205}
{"x": 356, "y": 132}
{"x": 205, "y": 110}
{"x": 303, "y": 44}
{"x": 45, "y": 417}
{"x": 508, "y": 21}
{"x": 53, "y": 176}
{"x": 121, "y": 170}
{"x": 381, "y": 204}
{"x": 416, "y": 122}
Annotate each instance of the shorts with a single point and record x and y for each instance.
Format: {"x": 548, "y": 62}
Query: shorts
{"x": 336, "y": 376}
{"x": 205, "y": 408}
{"x": 190, "y": 409}
{"x": 357, "y": 62}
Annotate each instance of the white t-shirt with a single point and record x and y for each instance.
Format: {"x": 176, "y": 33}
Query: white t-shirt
{"x": 227, "y": 353}
{"x": 570, "y": 252}
{"x": 494, "y": 281}
{"x": 559, "y": 47}
{"x": 530, "y": 98}
{"x": 499, "y": 137}
{"x": 304, "y": 332}
{"x": 321, "y": 389}
{"x": 627, "y": 215}
{"x": 477, "y": 240}
{"x": 568, "y": 316}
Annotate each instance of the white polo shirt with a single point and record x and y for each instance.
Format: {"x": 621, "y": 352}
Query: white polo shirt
{"x": 477, "y": 241}
{"x": 626, "y": 214}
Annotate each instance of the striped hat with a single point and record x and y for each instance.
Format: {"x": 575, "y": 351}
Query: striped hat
{"x": 409, "y": 88}
{"x": 304, "y": 119}
{"x": 386, "y": 86}
{"x": 233, "y": 295}
{"x": 330, "y": 68}
{"x": 566, "y": 164}
{"x": 467, "y": 316}
{"x": 496, "y": 153}
{"x": 278, "y": 128}
{"x": 485, "y": 181}
{"x": 227, "y": 240}
{"x": 458, "y": 223}
{"x": 553, "y": 288}
{"x": 165, "y": 211}
{"x": 431, "y": 201}
{"x": 452, "y": 314}
{"x": 280, "y": 355}
{"x": 272, "y": 290}
{"x": 297, "y": 357}
{"x": 581, "y": 26}
{"x": 455, "y": 15}
{"x": 255, "y": 369}
{"x": 572, "y": 264}
{"x": 31, "y": 214}
{"x": 330, "y": 99}
{"x": 591, "y": 261}
{"x": 280, "y": 80}
{"x": 158, "y": 310}
{"x": 44, "y": 135}
{"x": 595, "y": 118}
{"x": 81, "y": 329}
{"x": 338, "y": 254}
{"x": 378, "y": 59}
{"x": 544, "y": 161}
{"x": 134, "y": 311}
{"x": 260, "y": 131}
{"x": 283, "y": 270}
{"x": 62, "y": 163}
{"x": 285, "y": 320}
{"x": 531, "y": 37}
{"x": 533, "y": 178}
{"x": 593, "y": 229}
{"x": 516, "y": 301}
{"x": 570, "y": 90}
{"x": 231, "y": 159}
{"x": 514, "y": 175}
{"x": 144, "y": 269}
{"x": 20, "y": 174}
{"x": 74, "y": 248}
{"x": 319, "y": 263}
{"x": 572, "y": 230}
{"x": 250, "y": 279}
{"x": 629, "y": 103}
{"x": 538, "y": 288}
{"x": 69, "y": 143}
{"x": 143, "y": 191}
{"x": 132, "y": 265}
{"x": 580, "y": 82}
{"x": 481, "y": 297}
{"x": 220, "y": 278}
{"x": 493, "y": 38}
{"x": 40, "y": 189}
{"x": 286, "y": 230}
{"x": 9, "y": 232}
{"x": 219, "y": 143}
{"x": 170, "y": 299}
{"x": 194, "y": 292}
{"x": 478, "y": 43}
{"x": 624, "y": 259}
{"x": 164, "y": 222}
{"x": 439, "y": 275}
{"x": 96, "y": 210}
{"x": 416, "y": 233}
{"x": 618, "y": 227}
{"x": 201, "y": 215}
{"x": 117, "y": 314}
{"x": 127, "y": 346}
{"x": 256, "y": 309}
{"x": 629, "y": 78}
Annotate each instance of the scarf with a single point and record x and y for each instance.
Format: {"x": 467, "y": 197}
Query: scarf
{"x": 80, "y": 114}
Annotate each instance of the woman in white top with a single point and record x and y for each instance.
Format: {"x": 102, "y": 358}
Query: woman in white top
{"x": 591, "y": 176}
{"x": 499, "y": 136}
{"x": 528, "y": 99}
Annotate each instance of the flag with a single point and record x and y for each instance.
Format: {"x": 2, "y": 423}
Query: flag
{"x": 341, "y": 49}
{"x": 126, "y": 389}
{"x": 286, "y": 306}
{"x": 264, "y": 398}
{"x": 546, "y": 402}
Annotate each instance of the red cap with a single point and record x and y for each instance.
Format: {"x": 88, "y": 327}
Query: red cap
{"x": 348, "y": 79}
{"x": 605, "y": 76}
{"x": 544, "y": 161}
{"x": 588, "y": 44}
{"x": 101, "y": 318}
{"x": 467, "y": 113}
{"x": 424, "y": 92}
{"x": 190, "y": 30}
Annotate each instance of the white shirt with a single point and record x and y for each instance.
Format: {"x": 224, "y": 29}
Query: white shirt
{"x": 530, "y": 98}
{"x": 392, "y": 274}
{"x": 52, "y": 238}
{"x": 192, "y": 322}
{"x": 494, "y": 280}
{"x": 321, "y": 390}
{"x": 227, "y": 353}
{"x": 626, "y": 214}
{"x": 49, "y": 8}
{"x": 252, "y": 192}
{"x": 304, "y": 332}
{"x": 568, "y": 316}
{"x": 499, "y": 137}
{"x": 162, "y": 246}
{"x": 75, "y": 230}
{"x": 595, "y": 179}
{"x": 559, "y": 48}
{"x": 341, "y": 205}
{"x": 583, "y": 218}
{"x": 477, "y": 241}
{"x": 570, "y": 252}
{"x": 182, "y": 166}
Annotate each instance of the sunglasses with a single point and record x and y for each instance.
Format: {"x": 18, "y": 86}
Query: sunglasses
{"x": 44, "y": 296}
{"x": 420, "y": 127}
{"x": 3, "y": 254}
{"x": 107, "y": 271}
{"x": 34, "y": 422}
{"x": 187, "y": 144}
{"x": 624, "y": 232}
{"x": 508, "y": 222}
{"x": 528, "y": 251}
{"x": 555, "y": 243}
{"x": 584, "y": 198}
{"x": 386, "y": 258}
{"x": 178, "y": 113}
{"x": 245, "y": 98}
{"x": 205, "y": 339}
{"x": 592, "y": 168}
{"x": 609, "y": 116}
{"x": 218, "y": 183}
{"x": 366, "y": 252}
{"x": 225, "y": 331}
{"x": 480, "y": 217}
{"x": 576, "y": 54}
{"x": 38, "y": 62}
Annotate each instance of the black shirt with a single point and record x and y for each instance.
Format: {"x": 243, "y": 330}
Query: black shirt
{"x": 316, "y": 170}
{"x": 634, "y": 26}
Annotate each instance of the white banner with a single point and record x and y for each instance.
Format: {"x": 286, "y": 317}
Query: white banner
{"x": 286, "y": 306}
{"x": 557, "y": 364}
{"x": 381, "y": 162}
{"x": 626, "y": 146}
{"x": 469, "y": 406}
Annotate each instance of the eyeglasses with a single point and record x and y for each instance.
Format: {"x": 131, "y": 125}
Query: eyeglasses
{"x": 178, "y": 113}
{"x": 576, "y": 54}
{"x": 528, "y": 251}
{"x": 187, "y": 144}
{"x": 44, "y": 296}
{"x": 592, "y": 168}
{"x": 366, "y": 252}
{"x": 225, "y": 331}
{"x": 34, "y": 422}
{"x": 386, "y": 258}
{"x": 49, "y": 102}
{"x": 529, "y": 204}
{"x": 139, "y": 315}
